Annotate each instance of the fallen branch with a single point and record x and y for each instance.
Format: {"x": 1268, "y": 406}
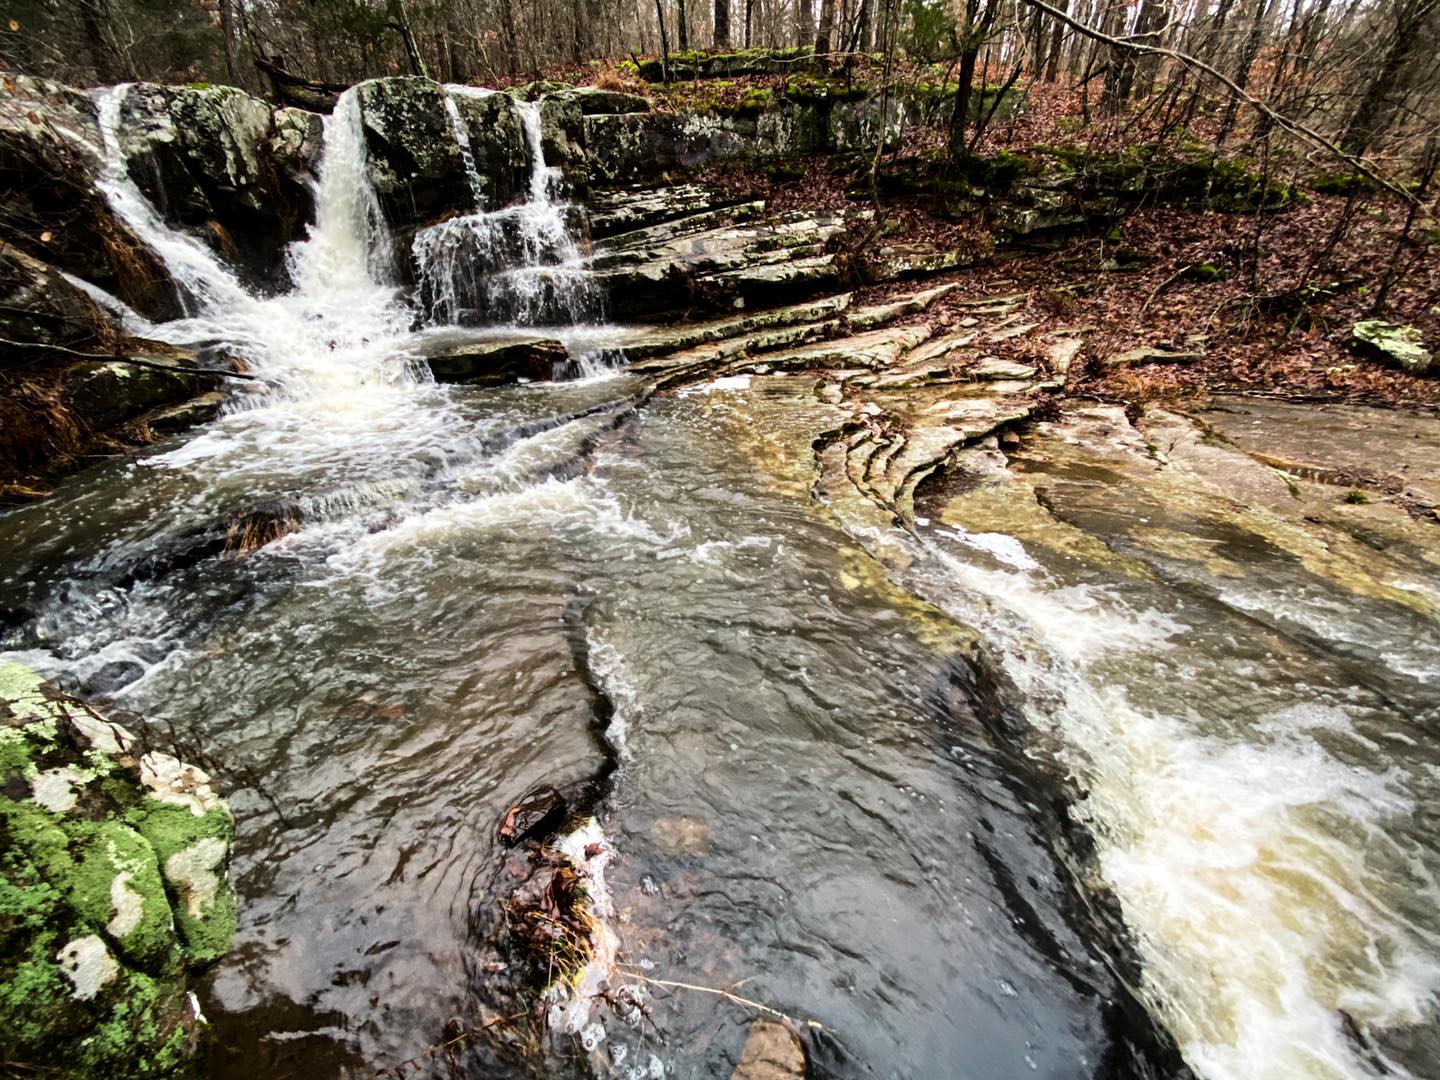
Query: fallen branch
{"x": 136, "y": 361}
{"x": 734, "y": 999}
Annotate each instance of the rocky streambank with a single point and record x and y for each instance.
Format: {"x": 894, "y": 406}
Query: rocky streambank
{"x": 82, "y": 293}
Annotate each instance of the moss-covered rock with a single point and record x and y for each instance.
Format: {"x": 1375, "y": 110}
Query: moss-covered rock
{"x": 204, "y": 157}
{"x": 114, "y": 889}
{"x": 1398, "y": 346}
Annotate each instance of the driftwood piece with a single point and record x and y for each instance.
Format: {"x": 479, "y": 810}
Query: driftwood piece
{"x": 296, "y": 90}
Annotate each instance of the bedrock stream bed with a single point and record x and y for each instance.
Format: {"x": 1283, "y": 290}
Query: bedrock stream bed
{"x": 1092, "y": 768}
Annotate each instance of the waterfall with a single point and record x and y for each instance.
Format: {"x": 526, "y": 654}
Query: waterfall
{"x": 467, "y": 155}
{"x": 341, "y": 324}
{"x": 204, "y": 281}
{"x": 345, "y": 323}
{"x": 519, "y": 265}
{"x": 349, "y": 244}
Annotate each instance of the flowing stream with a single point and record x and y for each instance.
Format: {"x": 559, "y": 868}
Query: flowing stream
{"x": 830, "y": 789}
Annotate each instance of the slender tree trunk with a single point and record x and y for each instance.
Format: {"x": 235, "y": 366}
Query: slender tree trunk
{"x": 580, "y": 26}
{"x": 1431, "y": 162}
{"x": 862, "y": 26}
{"x": 827, "y": 25}
{"x": 749, "y": 20}
{"x": 664, "y": 41}
{"x": 227, "y": 37}
{"x": 721, "y": 36}
{"x": 976, "y": 29}
{"x": 1057, "y": 39}
{"x": 95, "y": 21}
{"x": 682, "y": 32}
{"x": 1249, "y": 52}
{"x": 804, "y": 22}
{"x": 400, "y": 21}
{"x": 509, "y": 47}
{"x": 1372, "y": 116}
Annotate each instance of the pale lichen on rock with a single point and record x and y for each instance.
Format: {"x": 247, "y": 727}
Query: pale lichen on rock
{"x": 97, "y": 941}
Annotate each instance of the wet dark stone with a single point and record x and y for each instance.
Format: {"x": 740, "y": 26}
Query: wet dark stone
{"x": 537, "y": 812}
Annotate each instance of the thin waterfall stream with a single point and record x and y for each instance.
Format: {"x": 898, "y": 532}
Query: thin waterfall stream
{"x": 986, "y": 793}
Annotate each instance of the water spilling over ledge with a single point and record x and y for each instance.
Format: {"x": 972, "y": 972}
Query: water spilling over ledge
{"x": 947, "y": 725}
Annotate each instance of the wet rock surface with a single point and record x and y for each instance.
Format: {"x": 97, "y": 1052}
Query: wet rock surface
{"x": 48, "y": 162}
{"x": 114, "y": 891}
{"x": 772, "y": 1052}
{"x": 206, "y": 157}
{"x": 502, "y": 360}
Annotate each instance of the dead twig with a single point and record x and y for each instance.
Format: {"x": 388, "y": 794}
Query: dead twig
{"x": 734, "y": 999}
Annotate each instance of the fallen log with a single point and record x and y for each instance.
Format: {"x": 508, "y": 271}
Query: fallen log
{"x": 291, "y": 89}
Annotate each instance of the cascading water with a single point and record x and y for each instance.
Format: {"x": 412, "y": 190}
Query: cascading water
{"x": 518, "y": 265}
{"x": 339, "y": 326}
{"x": 803, "y": 800}
{"x": 467, "y": 155}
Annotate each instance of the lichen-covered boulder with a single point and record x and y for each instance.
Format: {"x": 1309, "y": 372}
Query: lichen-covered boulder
{"x": 296, "y": 144}
{"x": 114, "y": 889}
{"x": 624, "y": 147}
{"x": 1399, "y": 346}
{"x": 49, "y": 161}
{"x": 497, "y": 144}
{"x": 858, "y": 124}
{"x": 414, "y": 158}
{"x": 594, "y": 101}
{"x": 202, "y": 155}
{"x": 562, "y": 137}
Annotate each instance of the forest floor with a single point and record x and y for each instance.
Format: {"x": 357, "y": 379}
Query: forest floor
{"x": 1270, "y": 298}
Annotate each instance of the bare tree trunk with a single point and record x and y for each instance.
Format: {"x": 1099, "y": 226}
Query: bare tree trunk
{"x": 580, "y": 27}
{"x": 749, "y": 20}
{"x": 1057, "y": 38}
{"x": 722, "y": 24}
{"x": 664, "y": 41}
{"x": 976, "y": 29}
{"x": 804, "y": 22}
{"x": 509, "y": 47}
{"x": 827, "y": 24}
{"x": 95, "y": 21}
{"x": 1249, "y": 52}
{"x": 1153, "y": 14}
{"x": 1372, "y": 116}
{"x": 399, "y": 20}
{"x": 682, "y": 32}
{"x": 227, "y": 37}
{"x": 862, "y": 27}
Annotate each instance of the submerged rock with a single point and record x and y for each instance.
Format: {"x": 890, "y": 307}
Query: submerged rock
{"x": 1399, "y": 346}
{"x": 539, "y": 811}
{"x": 114, "y": 889}
{"x": 487, "y": 363}
{"x": 772, "y": 1052}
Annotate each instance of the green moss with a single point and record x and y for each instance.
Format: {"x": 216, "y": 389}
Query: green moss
{"x": 92, "y": 878}
{"x": 1206, "y": 272}
{"x": 993, "y": 175}
{"x": 1327, "y": 182}
{"x": 811, "y": 89}
{"x": 173, "y": 831}
{"x": 118, "y": 860}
